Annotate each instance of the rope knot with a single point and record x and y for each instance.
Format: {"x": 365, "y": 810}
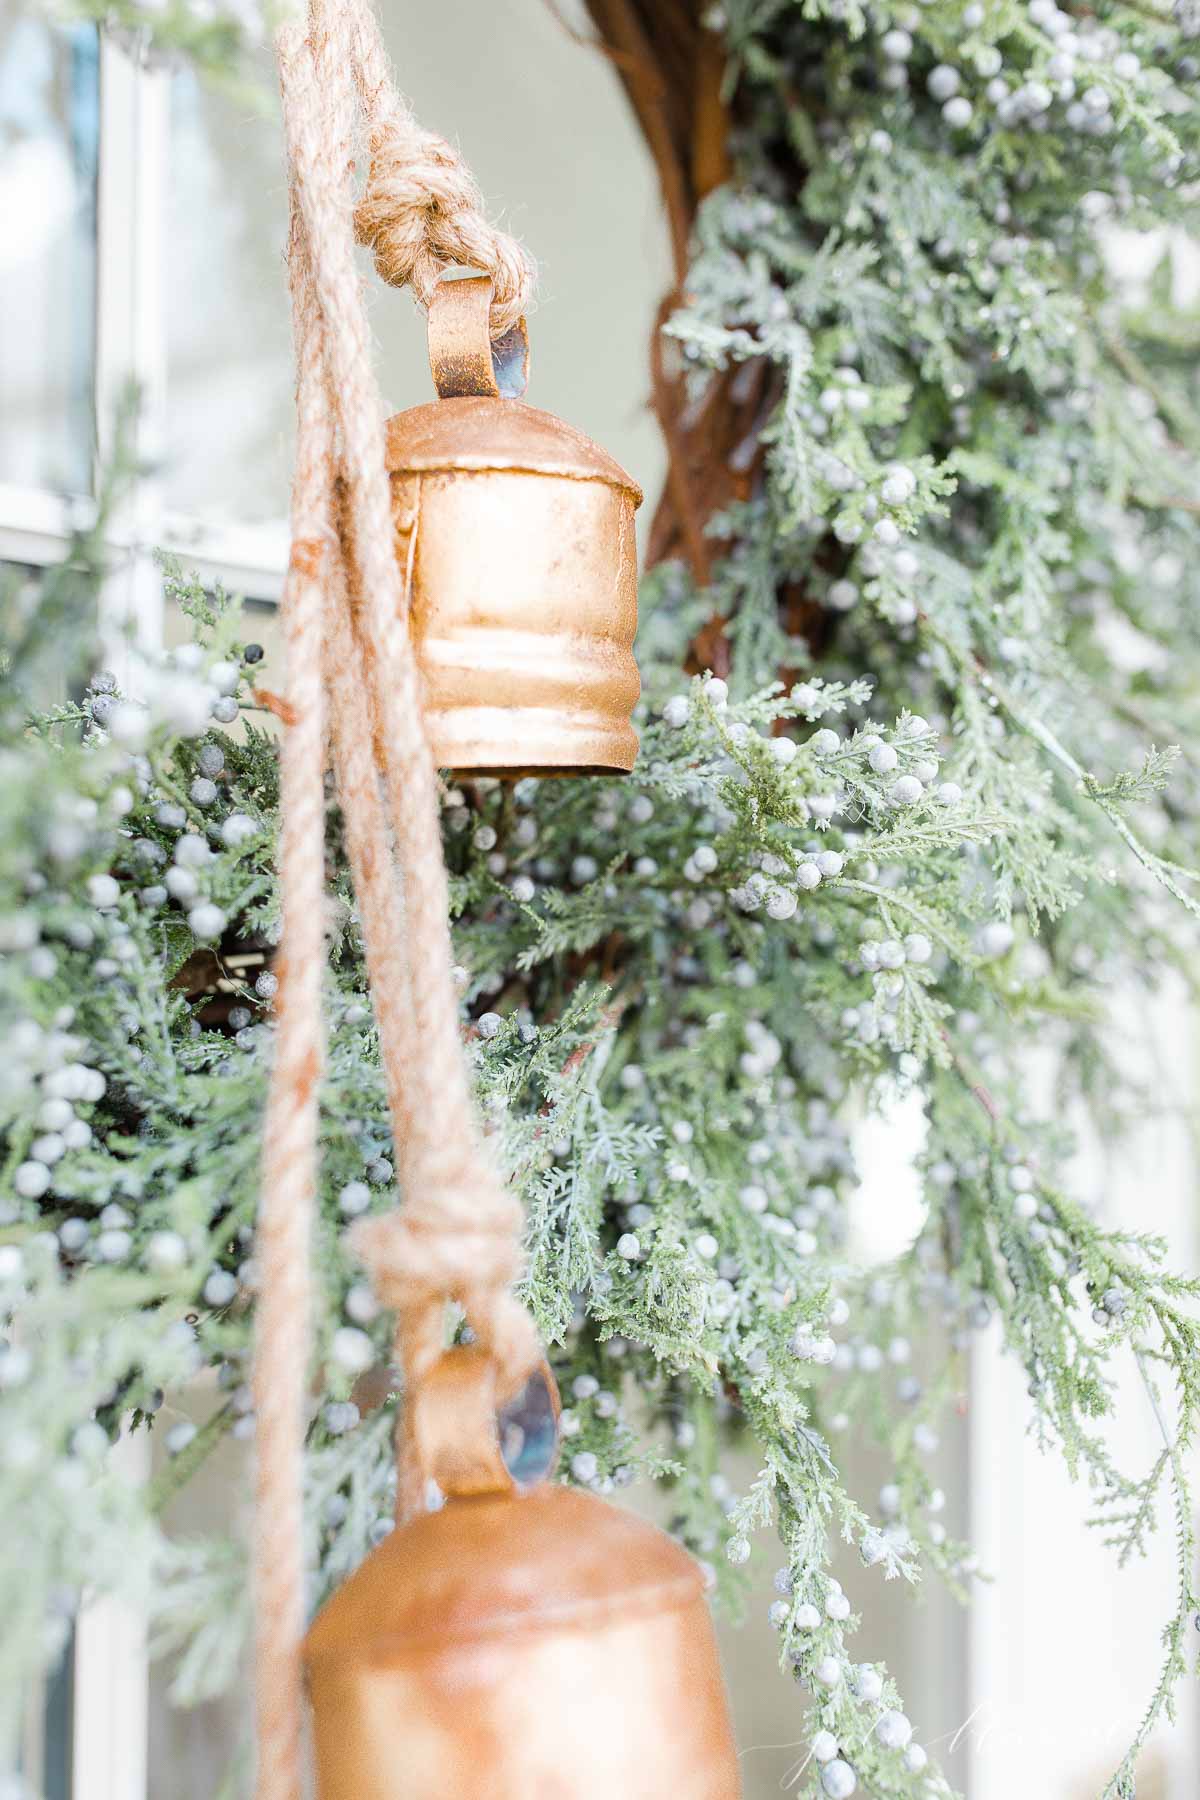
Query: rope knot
{"x": 413, "y": 1261}
{"x": 421, "y": 213}
{"x": 416, "y": 1264}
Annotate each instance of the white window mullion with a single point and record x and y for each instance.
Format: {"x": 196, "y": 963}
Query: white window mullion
{"x": 109, "y": 1726}
{"x": 131, "y": 335}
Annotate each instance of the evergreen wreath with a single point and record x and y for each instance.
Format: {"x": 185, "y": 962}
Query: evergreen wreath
{"x": 917, "y": 625}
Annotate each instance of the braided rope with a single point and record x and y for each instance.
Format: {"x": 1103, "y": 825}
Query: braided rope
{"x": 347, "y": 642}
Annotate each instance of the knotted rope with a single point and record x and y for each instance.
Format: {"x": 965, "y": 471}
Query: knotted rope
{"x": 421, "y": 211}
{"x": 348, "y": 651}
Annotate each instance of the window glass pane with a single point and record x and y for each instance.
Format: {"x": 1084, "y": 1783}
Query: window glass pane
{"x": 544, "y": 123}
{"x": 49, "y": 122}
{"x": 56, "y": 1728}
{"x": 229, "y": 378}
{"x": 45, "y": 1751}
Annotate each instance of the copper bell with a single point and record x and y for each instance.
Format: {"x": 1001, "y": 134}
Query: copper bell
{"x": 516, "y": 1645}
{"x": 515, "y": 536}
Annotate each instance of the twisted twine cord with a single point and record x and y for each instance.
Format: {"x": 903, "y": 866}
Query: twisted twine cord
{"x": 344, "y": 614}
{"x": 422, "y": 211}
{"x": 290, "y": 1158}
{"x": 449, "y": 1187}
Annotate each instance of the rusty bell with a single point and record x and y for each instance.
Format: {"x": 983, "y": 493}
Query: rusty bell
{"x": 521, "y": 1643}
{"x": 515, "y": 537}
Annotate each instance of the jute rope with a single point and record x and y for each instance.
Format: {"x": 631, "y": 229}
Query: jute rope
{"x": 422, "y": 211}
{"x": 348, "y": 653}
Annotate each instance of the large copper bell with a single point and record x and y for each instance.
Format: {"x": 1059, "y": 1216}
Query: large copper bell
{"x": 516, "y": 1645}
{"x": 515, "y": 536}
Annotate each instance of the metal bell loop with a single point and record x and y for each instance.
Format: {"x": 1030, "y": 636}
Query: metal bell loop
{"x": 464, "y": 357}
{"x": 465, "y": 1443}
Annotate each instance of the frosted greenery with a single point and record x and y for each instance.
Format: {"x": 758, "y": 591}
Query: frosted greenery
{"x": 949, "y": 837}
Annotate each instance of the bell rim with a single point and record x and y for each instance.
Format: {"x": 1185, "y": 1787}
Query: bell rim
{"x": 562, "y": 451}
{"x": 481, "y": 1530}
{"x": 582, "y": 1614}
{"x": 531, "y": 771}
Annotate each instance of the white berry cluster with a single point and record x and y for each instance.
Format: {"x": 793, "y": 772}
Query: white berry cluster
{"x": 1062, "y": 70}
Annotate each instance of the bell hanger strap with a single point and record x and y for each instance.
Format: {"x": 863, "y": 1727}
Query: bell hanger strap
{"x": 465, "y": 359}
{"x": 465, "y": 1443}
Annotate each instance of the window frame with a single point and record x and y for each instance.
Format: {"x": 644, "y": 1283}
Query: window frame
{"x": 131, "y": 335}
{"x": 110, "y": 1711}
